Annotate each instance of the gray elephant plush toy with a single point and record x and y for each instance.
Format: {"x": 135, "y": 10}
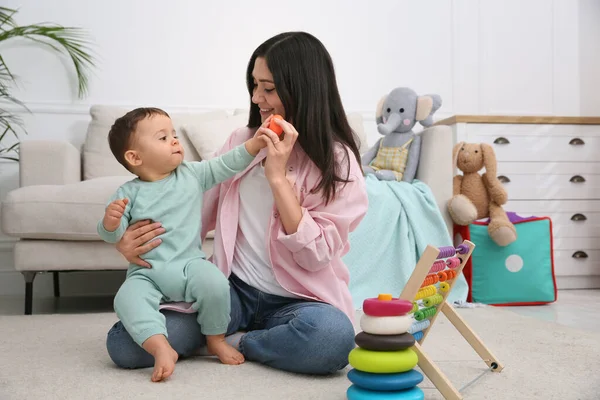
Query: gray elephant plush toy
{"x": 396, "y": 155}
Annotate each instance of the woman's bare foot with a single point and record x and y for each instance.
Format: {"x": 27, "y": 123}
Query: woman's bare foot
{"x": 217, "y": 346}
{"x": 164, "y": 357}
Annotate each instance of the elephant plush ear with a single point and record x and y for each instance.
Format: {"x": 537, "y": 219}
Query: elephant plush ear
{"x": 379, "y": 110}
{"x": 424, "y": 106}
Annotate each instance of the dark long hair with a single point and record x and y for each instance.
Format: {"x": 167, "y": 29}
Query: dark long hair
{"x": 305, "y": 81}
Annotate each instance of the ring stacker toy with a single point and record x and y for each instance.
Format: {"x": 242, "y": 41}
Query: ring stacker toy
{"x": 384, "y": 361}
{"x": 427, "y": 289}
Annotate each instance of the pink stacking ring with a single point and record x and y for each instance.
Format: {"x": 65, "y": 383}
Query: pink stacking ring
{"x": 386, "y": 308}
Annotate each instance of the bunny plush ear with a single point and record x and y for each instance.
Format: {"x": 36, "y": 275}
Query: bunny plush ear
{"x": 455, "y": 151}
{"x": 489, "y": 159}
{"x": 379, "y": 110}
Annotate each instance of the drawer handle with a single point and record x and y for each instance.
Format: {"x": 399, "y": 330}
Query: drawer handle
{"x": 580, "y": 254}
{"x": 578, "y": 217}
{"x": 501, "y": 140}
{"x": 576, "y": 142}
{"x": 503, "y": 179}
{"x": 577, "y": 179}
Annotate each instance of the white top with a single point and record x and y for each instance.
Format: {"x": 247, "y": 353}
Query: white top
{"x": 251, "y": 261}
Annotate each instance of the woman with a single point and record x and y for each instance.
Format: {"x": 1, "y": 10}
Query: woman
{"x": 282, "y": 226}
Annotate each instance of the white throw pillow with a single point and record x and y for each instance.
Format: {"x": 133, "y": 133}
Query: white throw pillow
{"x": 98, "y": 160}
{"x": 209, "y": 136}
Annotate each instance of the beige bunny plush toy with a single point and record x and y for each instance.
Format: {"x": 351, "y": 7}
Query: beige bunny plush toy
{"x": 480, "y": 196}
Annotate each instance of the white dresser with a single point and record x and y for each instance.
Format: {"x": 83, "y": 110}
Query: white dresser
{"x": 550, "y": 166}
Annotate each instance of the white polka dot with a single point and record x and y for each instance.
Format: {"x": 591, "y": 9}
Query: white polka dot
{"x": 514, "y": 263}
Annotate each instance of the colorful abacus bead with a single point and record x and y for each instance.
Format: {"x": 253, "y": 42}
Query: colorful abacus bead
{"x": 462, "y": 249}
{"x": 446, "y": 251}
{"x": 452, "y": 262}
{"x": 433, "y": 300}
{"x": 419, "y": 326}
{"x": 383, "y": 363}
{"x": 444, "y": 287}
{"x": 446, "y": 275}
{"x": 430, "y": 279}
{"x": 438, "y": 266}
{"x": 427, "y": 291}
{"x": 425, "y": 313}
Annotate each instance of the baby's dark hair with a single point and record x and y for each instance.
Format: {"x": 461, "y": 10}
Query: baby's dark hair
{"x": 121, "y": 132}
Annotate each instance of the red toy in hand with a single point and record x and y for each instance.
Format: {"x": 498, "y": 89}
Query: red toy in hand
{"x": 273, "y": 125}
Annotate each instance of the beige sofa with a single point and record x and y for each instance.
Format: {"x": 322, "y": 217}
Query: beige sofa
{"x": 63, "y": 190}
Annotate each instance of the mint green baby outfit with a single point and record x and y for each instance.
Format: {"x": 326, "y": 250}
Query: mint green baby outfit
{"x": 180, "y": 271}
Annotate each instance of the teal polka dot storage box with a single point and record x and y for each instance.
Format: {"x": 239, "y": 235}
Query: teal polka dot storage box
{"x": 521, "y": 273}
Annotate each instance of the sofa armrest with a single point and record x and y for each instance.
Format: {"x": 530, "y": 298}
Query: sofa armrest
{"x": 435, "y": 166}
{"x": 48, "y": 162}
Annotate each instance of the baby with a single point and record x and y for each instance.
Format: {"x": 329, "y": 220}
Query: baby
{"x": 169, "y": 190}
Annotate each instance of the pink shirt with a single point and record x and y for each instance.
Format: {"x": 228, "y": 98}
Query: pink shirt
{"x": 308, "y": 262}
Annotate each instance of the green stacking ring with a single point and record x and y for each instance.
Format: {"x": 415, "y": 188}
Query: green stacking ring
{"x": 383, "y": 362}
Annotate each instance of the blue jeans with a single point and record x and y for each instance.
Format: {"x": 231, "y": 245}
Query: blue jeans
{"x": 284, "y": 333}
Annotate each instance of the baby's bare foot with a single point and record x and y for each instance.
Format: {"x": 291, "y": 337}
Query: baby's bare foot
{"x": 217, "y": 346}
{"x": 164, "y": 363}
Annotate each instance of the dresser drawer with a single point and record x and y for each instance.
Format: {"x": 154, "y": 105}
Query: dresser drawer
{"x": 575, "y": 243}
{"x": 552, "y": 187}
{"x": 575, "y": 224}
{"x": 541, "y": 148}
{"x": 576, "y": 263}
{"x": 549, "y": 168}
{"x": 541, "y": 207}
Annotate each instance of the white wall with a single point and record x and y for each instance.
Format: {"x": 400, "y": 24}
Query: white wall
{"x": 482, "y": 57}
{"x": 589, "y": 56}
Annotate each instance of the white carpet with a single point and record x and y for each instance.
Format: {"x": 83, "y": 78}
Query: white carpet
{"x": 63, "y": 357}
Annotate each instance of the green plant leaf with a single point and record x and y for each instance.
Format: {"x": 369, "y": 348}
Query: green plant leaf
{"x": 69, "y": 41}
{"x": 61, "y": 39}
{"x": 6, "y": 15}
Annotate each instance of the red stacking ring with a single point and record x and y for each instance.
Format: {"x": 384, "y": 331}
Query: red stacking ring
{"x": 386, "y": 308}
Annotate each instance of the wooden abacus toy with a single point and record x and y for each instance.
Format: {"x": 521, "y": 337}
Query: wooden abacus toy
{"x": 389, "y": 346}
{"x": 428, "y": 287}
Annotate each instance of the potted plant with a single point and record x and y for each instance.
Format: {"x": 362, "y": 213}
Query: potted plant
{"x": 67, "y": 41}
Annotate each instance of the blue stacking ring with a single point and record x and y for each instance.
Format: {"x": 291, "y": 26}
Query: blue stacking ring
{"x": 385, "y": 382}
{"x": 356, "y": 393}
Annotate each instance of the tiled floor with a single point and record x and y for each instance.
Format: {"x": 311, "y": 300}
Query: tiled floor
{"x": 575, "y": 308}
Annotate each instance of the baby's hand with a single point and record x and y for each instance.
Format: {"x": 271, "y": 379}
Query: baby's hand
{"x": 261, "y": 138}
{"x": 113, "y": 214}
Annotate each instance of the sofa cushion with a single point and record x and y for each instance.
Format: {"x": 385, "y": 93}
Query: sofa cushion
{"x": 209, "y": 136}
{"x": 98, "y": 160}
{"x": 61, "y": 212}
{"x": 356, "y": 122}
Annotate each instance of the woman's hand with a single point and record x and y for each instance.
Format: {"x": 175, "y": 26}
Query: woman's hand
{"x": 137, "y": 241}
{"x": 278, "y": 154}
{"x": 279, "y": 151}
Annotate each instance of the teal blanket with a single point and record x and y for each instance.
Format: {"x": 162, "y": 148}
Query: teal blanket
{"x": 402, "y": 220}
